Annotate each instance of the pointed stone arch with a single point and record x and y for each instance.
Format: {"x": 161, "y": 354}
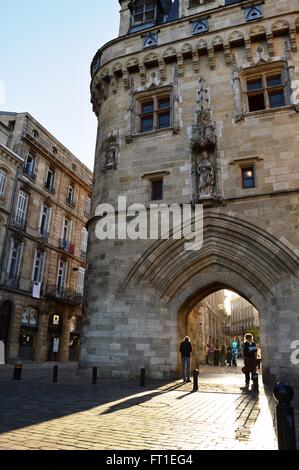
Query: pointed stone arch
{"x": 237, "y": 256}
{"x": 257, "y": 256}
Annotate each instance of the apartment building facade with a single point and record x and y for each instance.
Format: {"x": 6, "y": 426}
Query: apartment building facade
{"x": 44, "y": 206}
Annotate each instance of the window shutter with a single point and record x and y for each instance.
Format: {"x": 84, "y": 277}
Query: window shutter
{"x": 2, "y": 182}
{"x": 80, "y": 284}
{"x": 84, "y": 240}
{"x": 22, "y": 206}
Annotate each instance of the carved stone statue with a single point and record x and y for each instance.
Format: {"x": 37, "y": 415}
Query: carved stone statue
{"x": 110, "y": 149}
{"x": 206, "y": 175}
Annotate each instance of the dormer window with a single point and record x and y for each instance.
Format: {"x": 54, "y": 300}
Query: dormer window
{"x": 144, "y": 11}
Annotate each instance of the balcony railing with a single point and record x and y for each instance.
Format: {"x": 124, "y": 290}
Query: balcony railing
{"x": 11, "y": 282}
{"x": 83, "y": 254}
{"x": 18, "y": 222}
{"x": 66, "y": 296}
{"x": 66, "y": 246}
{"x": 43, "y": 236}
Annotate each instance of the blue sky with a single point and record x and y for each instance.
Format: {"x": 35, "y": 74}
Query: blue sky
{"x": 46, "y": 47}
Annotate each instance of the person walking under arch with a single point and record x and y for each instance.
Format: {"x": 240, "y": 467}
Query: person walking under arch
{"x": 186, "y": 350}
{"x": 249, "y": 352}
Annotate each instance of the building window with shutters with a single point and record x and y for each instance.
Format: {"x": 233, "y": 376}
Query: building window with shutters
{"x": 80, "y": 283}
{"x": 21, "y": 210}
{"x": 61, "y": 275}
{"x": 70, "y": 198}
{"x": 44, "y": 224}
{"x": 12, "y": 278}
{"x": 87, "y": 209}
{"x": 2, "y": 182}
{"x": 50, "y": 180}
{"x": 84, "y": 242}
{"x": 38, "y": 266}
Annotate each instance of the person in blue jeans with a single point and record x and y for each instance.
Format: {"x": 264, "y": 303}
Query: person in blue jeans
{"x": 235, "y": 351}
{"x": 186, "y": 350}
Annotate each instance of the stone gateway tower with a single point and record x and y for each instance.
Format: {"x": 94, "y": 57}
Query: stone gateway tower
{"x": 197, "y": 102}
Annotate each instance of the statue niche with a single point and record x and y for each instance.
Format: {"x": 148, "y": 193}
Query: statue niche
{"x": 203, "y": 145}
{"x": 110, "y": 151}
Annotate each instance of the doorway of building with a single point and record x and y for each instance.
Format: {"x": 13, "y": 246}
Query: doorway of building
{"x": 5, "y": 321}
{"x": 75, "y": 335}
{"x": 54, "y": 337}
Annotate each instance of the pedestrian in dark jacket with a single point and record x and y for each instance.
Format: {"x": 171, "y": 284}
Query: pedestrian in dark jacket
{"x": 249, "y": 352}
{"x": 186, "y": 350}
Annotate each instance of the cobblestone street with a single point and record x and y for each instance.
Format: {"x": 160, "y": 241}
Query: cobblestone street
{"x": 74, "y": 415}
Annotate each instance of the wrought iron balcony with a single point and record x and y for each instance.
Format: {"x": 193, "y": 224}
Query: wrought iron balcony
{"x": 43, "y": 236}
{"x": 18, "y": 222}
{"x": 66, "y": 296}
{"x": 83, "y": 254}
{"x": 11, "y": 282}
{"x": 66, "y": 246}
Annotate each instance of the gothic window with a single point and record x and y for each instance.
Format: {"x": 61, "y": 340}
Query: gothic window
{"x": 154, "y": 113}
{"x": 248, "y": 177}
{"x": 265, "y": 91}
{"x": 144, "y": 11}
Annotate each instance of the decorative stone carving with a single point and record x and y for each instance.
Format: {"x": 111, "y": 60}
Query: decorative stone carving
{"x": 292, "y": 76}
{"x": 254, "y": 13}
{"x": 206, "y": 175}
{"x": 237, "y": 93}
{"x": 130, "y": 112}
{"x": 110, "y": 150}
{"x": 200, "y": 26}
{"x": 150, "y": 40}
{"x": 176, "y": 100}
{"x": 203, "y": 145}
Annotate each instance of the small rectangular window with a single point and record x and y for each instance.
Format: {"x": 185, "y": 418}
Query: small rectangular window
{"x": 157, "y": 190}
{"x": 248, "y": 177}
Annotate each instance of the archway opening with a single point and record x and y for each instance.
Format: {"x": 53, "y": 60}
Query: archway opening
{"x": 216, "y": 320}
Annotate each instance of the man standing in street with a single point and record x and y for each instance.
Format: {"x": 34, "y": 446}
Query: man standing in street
{"x": 185, "y": 350}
